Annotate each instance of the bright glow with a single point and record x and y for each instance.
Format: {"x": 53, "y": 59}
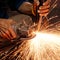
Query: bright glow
{"x": 45, "y": 37}
{"x": 44, "y": 46}
{"x": 44, "y": 43}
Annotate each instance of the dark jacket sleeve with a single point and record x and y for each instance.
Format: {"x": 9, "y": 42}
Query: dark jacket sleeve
{"x": 14, "y": 4}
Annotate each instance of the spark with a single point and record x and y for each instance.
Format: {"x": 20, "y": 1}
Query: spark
{"x": 44, "y": 46}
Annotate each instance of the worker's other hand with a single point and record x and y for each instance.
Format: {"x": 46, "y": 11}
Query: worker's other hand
{"x": 44, "y": 10}
{"x": 26, "y": 8}
{"x": 6, "y": 30}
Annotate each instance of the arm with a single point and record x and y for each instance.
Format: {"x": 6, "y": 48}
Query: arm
{"x": 21, "y": 5}
{"x": 26, "y": 7}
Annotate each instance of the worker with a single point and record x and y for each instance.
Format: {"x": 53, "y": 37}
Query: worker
{"x": 15, "y": 5}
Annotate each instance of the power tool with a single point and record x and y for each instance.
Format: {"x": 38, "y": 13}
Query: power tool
{"x": 27, "y": 31}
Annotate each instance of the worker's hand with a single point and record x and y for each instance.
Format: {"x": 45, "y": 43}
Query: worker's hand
{"x": 44, "y": 10}
{"x": 6, "y": 30}
{"x": 26, "y": 7}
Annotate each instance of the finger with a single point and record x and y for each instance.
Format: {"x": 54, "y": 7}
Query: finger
{"x": 12, "y": 33}
{"x": 45, "y": 14}
{"x": 1, "y": 34}
{"x": 44, "y": 7}
{"x": 43, "y": 11}
{"x": 4, "y": 35}
{"x": 6, "y": 32}
{"x": 47, "y": 2}
{"x": 38, "y": 3}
